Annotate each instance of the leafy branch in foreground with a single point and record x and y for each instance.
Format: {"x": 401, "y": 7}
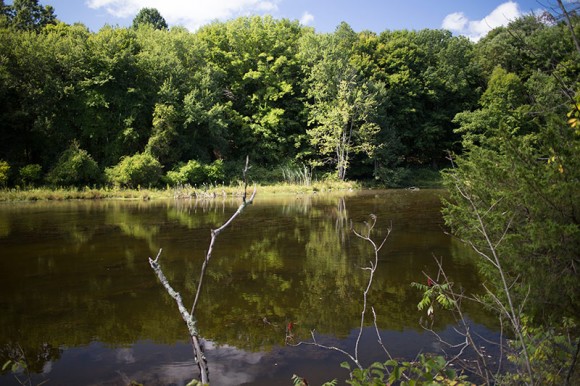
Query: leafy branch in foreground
{"x": 189, "y": 316}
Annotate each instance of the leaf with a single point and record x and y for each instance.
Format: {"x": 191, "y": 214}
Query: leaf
{"x": 345, "y": 365}
{"x": 5, "y": 366}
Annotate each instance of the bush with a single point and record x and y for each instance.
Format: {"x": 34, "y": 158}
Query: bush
{"x": 195, "y": 173}
{"x": 141, "y": 169}
{"x": 215, "y": 171}
{"x": 75, "y": 167}
{"x": 30, "y": 175}
{"x": 4, "y": 170}
{"x": 392, "y": 177}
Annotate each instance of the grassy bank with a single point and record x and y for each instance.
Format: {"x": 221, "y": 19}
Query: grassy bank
{"x": 47, "y": 194}
{"x": 420, "y": 178}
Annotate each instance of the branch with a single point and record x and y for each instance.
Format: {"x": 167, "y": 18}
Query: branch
{"x": 186, "y": 316}
{"x": 216, "y": 232}
{"x": 189, "y": 317}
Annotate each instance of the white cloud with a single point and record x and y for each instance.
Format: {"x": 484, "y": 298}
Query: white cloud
{"x": 476, "y": 29}
{"x": 455, "y": 22}
{"x": 191, "y": 14}
{"x": 306, "y": 18}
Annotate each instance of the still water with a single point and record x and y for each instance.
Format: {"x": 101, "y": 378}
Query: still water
{"x": 81, "y": 305}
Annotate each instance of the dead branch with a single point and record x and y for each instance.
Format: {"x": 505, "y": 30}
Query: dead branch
{"x": 189, "y": 316}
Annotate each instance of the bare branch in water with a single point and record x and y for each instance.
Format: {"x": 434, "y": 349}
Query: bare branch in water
{"x": 189, "y": 316}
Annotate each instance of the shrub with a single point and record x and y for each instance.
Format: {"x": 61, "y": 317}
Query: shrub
{"x": 4, "y": 170}
{"x": 30, "y": 175}
{"x": 391, "y": 177}
{"x": 141, "y": 169}
{"x": 75, "y": 167}
{"x": 195, "y": 173}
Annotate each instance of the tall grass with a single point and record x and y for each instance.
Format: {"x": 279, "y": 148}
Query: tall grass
{"x": 182, "y": 191}
{"x": 297, "y": 175}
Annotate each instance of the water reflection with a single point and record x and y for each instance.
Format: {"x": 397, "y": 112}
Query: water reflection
{"x": 77, "y": 288}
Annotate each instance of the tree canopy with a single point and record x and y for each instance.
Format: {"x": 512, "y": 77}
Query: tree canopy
{"x": 355, "y": 105}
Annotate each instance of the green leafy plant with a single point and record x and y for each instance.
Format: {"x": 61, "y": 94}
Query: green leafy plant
{"x": 141, "y": 169}
{"x": 425, "y": 370}
{"x": 434, "y": 293}
{"x": 4, "y": 170}
{"x": 74, "y": 167}
{"x": 299, "y": 381}
{"x": 30, "y": 174}
{"x": 196, "y": 173}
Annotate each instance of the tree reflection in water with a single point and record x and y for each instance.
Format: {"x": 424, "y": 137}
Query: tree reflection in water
{"x": 72, "y": 275}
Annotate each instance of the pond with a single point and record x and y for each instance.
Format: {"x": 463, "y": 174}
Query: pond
{"x": 81, "y": 305}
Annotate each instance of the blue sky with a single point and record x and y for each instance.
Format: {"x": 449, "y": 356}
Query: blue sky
{"x": 472, "y": 18}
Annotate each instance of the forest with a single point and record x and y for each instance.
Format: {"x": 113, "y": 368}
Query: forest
{"x": 151, "y": 106}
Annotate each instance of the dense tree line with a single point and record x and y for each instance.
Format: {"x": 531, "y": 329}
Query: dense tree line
{"x": 78, "y": 105}
{"x": 147, "y": 105}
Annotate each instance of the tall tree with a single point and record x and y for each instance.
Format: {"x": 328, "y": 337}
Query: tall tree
{"x": 260, "y": 79}
{"x": 149, "y": 16}
{"x": 30, "y": 15}
{"x": 342, "y": 103}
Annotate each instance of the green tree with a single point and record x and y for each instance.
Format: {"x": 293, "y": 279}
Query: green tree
{"x": 342, "y": 103}
{"x": 255, "y": 60}
{"x": 75, "y": 167}
{"x": 162, "y": 140}
{"x": 514, "y": 196}
{"x": 116, "y": 96}
{"x": 29, "y": 15}
{"x": 429, "y": 77}
{"x": 150, "y": 16}
{"x": 30, "y": 175}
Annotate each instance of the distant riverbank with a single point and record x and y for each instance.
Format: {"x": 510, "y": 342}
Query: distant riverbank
{"x": 420, "y": 178}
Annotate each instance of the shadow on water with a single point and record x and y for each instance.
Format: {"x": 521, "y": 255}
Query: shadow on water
{"x": 81, "y": 303}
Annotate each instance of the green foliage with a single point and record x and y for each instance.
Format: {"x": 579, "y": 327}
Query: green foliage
{"x": 362, "y": 104}
{"x": 514, "y": 192}
{"x": 425, "y": 370}
{"x": 75, "y": 167}
{"x": 14, "y": 365}
{"x": 164, "y": 133}
{"x": 299, "y": 381}
{"x": 149, "y": 16}
{"x": 4, "y": 172}
{"x": 30, "y": 175}
{"x": 391, "y": 177}
{"x": 141, "y": 169}
{"x": 29, "y": 15}
{"x": 194, "y": 173}
{"x": 344, "y": 104}
{"x": 435, "y": 294}
{"x": 551, "y": 354}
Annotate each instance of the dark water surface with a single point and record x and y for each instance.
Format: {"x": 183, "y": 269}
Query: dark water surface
{"x": 79, "y": 299}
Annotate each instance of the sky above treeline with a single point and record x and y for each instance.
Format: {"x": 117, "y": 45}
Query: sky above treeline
{"x": 472, "y": 18}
